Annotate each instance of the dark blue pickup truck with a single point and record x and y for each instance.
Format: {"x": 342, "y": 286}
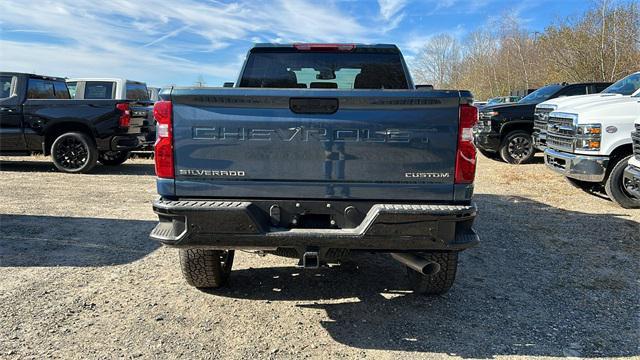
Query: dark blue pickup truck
{"x": 318, "y": 151}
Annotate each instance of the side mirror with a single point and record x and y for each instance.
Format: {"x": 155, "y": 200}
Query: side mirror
{"x": 228, "y": 84}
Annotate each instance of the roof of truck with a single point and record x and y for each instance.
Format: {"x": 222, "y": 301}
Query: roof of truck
{"x": 107, "y": 79}
{"x": 326, "y": 46}
{"x": 12, "y": 73}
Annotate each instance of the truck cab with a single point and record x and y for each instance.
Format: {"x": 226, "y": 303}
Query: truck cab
{"x": 627, "y": 86}
{"x": 590, "y": 144}
{"x": 505, "y": 131}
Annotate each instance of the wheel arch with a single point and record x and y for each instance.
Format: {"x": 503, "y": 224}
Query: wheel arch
{"x": 515, "y": 125}
{"x": 618, "y": 154}
{"x": 54, "y": 130}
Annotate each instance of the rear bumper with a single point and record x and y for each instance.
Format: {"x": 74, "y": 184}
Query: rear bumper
{"x": 576, "y": 166}
{"x": 127, "y": 142}
{"x": 632, "y": 180}
{"x": 488, "y": 141}
{"x": 242, "y": 225}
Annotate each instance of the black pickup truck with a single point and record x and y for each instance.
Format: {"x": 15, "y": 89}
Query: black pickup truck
{"x": 505, "y": 130}
{"x": 37, "y": 115}
{"x": 320, "y": 150}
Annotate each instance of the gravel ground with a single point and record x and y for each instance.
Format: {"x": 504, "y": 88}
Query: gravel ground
{"x": 556, "y": 275}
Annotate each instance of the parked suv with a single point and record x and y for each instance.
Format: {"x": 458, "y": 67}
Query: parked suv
{"x": 628, "y": 86}
{"x": 504, "y": 131}
{"x": 591, "y": 145}
{"x": 320, "y": 150}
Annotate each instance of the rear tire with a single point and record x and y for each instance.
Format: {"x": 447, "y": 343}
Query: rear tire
{"x": 517, "y": 147}
{"x": 74, "y": 152}
{"x": 439, "y": 283}
{"x": 614, "y": 186}
{"x": 204, "y": 268}
{"x": 113, "y": 158}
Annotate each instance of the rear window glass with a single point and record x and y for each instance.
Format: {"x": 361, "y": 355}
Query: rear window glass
{"x": 98, "y": 90}
{"x": 5, "y": 86}
{"x": 324, "y": 70}
{"x": 574, "y": 90}
{"x": 599, "y": 87}
{"x": 540, "y": 95}
{"x": 61, "y": 91}
{"x": 40, "y": 89}
{"x": 137, "y": 92}
{"x": 47, "y": 89}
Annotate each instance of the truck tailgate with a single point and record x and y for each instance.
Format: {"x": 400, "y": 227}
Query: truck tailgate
{"x": 369, "y": 144}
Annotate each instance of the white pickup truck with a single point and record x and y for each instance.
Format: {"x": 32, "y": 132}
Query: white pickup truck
{"x": 626, "y": 87}
{"x": 589, "y": 143}
{"x": 632, "y": 172}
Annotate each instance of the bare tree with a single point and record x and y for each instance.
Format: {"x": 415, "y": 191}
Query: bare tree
{"x": 438, "y": 62}
{"x": 602, "y": 44}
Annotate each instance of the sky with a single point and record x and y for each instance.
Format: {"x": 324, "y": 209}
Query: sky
{"x": 164, "y": 42}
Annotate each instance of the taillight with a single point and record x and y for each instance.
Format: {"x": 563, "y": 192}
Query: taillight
{"x": 466, "y": 154}
{"x": 162, "y": 112}
{"x": 125, "y": 117}
{"x": 324, "y": 47}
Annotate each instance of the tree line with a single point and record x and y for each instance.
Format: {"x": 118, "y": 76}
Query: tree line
{"x": 602, "y": 44}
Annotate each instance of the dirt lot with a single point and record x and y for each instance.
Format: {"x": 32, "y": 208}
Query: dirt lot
{"x": 557, "y": 274}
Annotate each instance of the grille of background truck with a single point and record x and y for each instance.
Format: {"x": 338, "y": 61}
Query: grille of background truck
{"x": 540, "y": 120}
{"x": 560, "y": 133}
{"x": 635, "y": 137}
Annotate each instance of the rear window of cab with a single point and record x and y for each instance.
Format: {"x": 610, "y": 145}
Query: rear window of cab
{"x": 47, "y": 89}
{"x": 137, "y": 91}
{"x": 324, "y": 70}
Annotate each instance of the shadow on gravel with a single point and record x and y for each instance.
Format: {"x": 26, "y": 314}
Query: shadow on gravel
{"x": 543, "y": 282}
{"x": 538, "y": 158}
{"x": 66, "y": 241}
{"x": 47, "y": 166}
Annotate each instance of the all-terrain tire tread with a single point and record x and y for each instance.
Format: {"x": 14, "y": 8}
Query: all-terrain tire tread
{"x": 202, "y": 268}
{"x": 440, "y": 282}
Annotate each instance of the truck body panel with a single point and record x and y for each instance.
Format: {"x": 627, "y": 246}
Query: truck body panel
{"x": 395, "y": 144}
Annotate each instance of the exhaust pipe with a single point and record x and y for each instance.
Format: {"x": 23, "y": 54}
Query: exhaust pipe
{"x": 417, "y": 263}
